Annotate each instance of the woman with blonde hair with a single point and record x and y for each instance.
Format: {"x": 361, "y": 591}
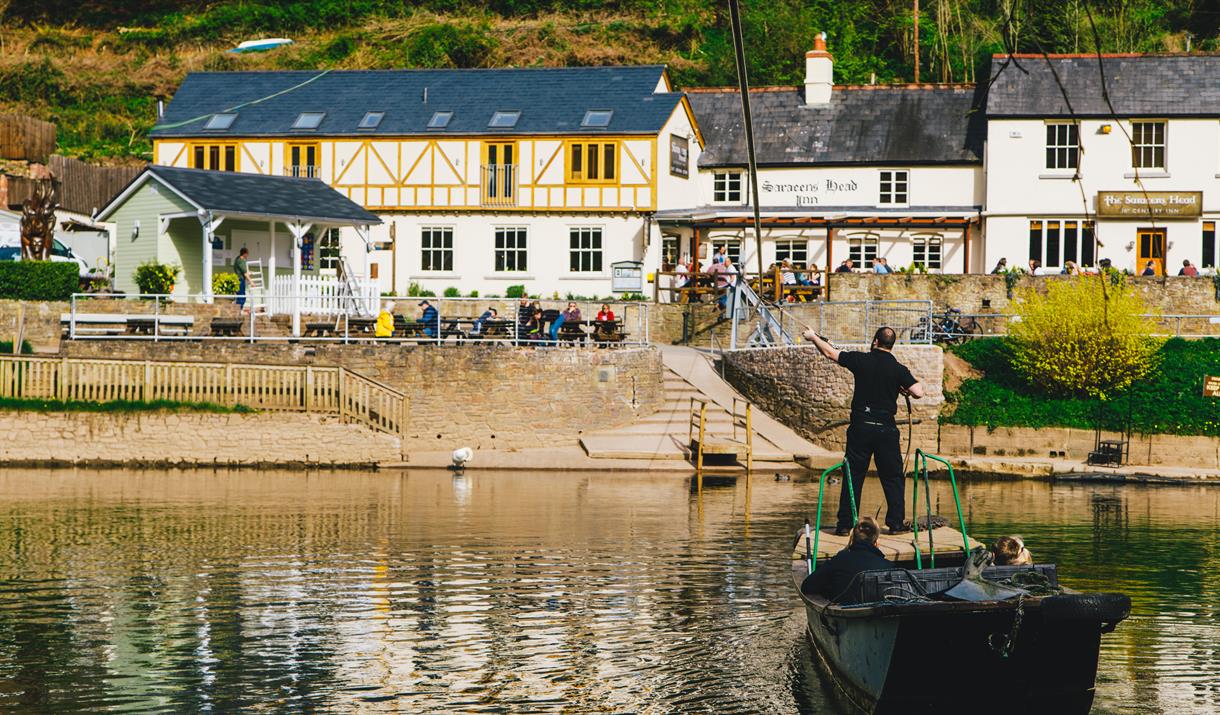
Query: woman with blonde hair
{"x": 1011, "y": 551}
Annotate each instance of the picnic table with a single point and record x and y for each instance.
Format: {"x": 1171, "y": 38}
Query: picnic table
{"x": 608, "y": 331}
{"x": 226, "y": 327}
{"x": 128, "y": 323}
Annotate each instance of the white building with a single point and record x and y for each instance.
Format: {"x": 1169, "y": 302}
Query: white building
{"x": 845, "y": 172}
{"x": 1070, "y": 177}
{"x": 483, "y": 179}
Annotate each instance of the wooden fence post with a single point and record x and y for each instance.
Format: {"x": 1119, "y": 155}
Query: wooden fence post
{"x": 309, "y": 388}
{"x": 229, "y": 397}
{"x": 145, "y": 395}
{"x": 62, "y": 383}
{"x": 403, "y": 419}
{"x": 339, "y": 395}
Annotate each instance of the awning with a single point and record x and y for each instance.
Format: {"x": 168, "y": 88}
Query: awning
{"x": 825, "y": 217}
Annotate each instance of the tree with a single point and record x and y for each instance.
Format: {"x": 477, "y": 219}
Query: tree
{"x": 1086, "y": 335}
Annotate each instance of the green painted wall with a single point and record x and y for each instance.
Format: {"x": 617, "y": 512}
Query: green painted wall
{"x": 145, "y": 205}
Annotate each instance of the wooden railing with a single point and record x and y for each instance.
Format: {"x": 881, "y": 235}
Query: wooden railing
{"x": 288, "y": 388}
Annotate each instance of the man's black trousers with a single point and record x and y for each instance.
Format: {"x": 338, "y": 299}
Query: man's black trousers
{"x": 879, "y": 442}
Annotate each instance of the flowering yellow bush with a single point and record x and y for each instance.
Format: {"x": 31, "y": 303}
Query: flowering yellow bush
{"x": 1085, "y": 336}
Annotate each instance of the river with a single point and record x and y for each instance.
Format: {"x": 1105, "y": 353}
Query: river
{"x": 200, "y": 591}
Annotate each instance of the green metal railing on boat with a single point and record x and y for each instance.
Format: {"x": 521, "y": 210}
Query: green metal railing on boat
{"x": 921, "y": 459}
{"x": 920, "y": 468}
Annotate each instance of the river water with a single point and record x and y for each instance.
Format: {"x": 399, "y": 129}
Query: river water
{"x": 428, "y": 592}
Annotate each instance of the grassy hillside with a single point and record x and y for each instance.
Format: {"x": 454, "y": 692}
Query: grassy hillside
{"x": 97, "y": 67}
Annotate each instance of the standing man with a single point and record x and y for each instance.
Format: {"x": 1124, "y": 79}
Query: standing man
{"x": 873, "y": 434}
{"x": 242, "y": 267}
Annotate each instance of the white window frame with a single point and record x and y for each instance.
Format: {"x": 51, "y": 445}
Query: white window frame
{"x": 520, "y": 253}
{"x": 327, "y": 251}
{"x": 791, "y": 248}
{"x": 723, "y": 193}
{"x": 894, "y": 187}
{"x": 427, "y": 234}
{"x": 587, "y": 253}
{"x": 1062, "y": 225}
{"x": 922, "y": 253}
{"x": 858, "y": 249}
{"x": 1062, "y": 154}
{"x": 732, "y": 247}
{"x": 1143, "y": 152}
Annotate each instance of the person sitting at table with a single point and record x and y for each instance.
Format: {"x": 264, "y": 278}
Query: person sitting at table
{"x": 385, "y": 321}
{"x": 430, "y": 319}
{"x": 571, "y": 315}
{"x": 682, "y": 271}
{"x": 605, "y": 313}
{"x": 487, "y": 315}
{"x": 533, "y": 327}
{"x": 787, "y": 275}
{"x": 847, "y": 266}
{"x": 814, "y": 277}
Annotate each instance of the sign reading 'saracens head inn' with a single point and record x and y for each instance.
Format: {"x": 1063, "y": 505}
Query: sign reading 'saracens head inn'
{"x": 1154, "y": 204}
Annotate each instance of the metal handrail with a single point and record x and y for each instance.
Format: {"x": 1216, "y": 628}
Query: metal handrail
{"x": 851, "y": 494}
{"x": 922, "y": 457}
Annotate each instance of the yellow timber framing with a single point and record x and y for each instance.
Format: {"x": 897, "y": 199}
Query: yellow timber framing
{"x": 238, "y": 150}
{"x": 571, "y": 176}
{"x": 469, "y": 178}
{"x": 302, "y": 145}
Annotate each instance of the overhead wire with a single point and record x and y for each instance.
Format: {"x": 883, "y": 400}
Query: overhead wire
{"x": 236, "y": 107}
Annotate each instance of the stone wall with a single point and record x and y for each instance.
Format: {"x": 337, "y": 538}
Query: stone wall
{"x": 810, "y": 394}
{"x": 484, "y": 396}
{"x": 1075, "y": 444}
{"x": 190, "y": 439}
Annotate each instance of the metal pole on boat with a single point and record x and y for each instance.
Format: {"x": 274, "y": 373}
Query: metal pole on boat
{"x": 808, "y": 546}
{"x": 927, "y": 493}
{"x": 915, "y": 509}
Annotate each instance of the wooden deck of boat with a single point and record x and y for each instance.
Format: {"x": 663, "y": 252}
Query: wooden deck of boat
{"x": 947, "y": 540}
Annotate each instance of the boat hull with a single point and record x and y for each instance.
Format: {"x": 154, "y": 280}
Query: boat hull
{"x": 952, "y": 661}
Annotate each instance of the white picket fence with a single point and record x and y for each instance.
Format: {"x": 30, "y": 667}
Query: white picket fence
{"x": 323, "y": 295}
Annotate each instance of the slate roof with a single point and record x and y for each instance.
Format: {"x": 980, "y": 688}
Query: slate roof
{"x": 870, "y": 125}
{"x": 1138, "y": 85}
{"x": 256, "y": 194}
{"x": 551, "y": 101}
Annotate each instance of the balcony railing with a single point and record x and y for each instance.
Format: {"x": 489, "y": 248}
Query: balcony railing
{"x": 498, "y": 185}
{"x": 303, "y": 172}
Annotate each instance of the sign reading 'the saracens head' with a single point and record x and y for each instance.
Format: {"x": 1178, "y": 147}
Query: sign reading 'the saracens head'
{"x": 1150, "y": 204}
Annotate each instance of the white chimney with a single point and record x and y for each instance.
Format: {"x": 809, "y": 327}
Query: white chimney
{"x": 819, "y": 73}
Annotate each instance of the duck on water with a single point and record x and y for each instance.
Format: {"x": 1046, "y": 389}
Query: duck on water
{"x": 964, "y": 635}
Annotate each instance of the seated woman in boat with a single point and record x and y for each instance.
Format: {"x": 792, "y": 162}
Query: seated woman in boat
{"x": 836, "y": 579}
{"x": 1011, "y": 551}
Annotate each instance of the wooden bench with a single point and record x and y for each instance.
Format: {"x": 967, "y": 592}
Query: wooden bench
{"x": 608, "y": 331}
{"x": 318, "y": 330}
{"x": 129, "y": 323}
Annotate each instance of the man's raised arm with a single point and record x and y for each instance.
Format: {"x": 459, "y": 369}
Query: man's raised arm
{"x": 823, "y": 347}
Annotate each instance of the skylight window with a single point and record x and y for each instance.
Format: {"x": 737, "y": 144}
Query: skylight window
{"x": 371, "y": 120}
{"x": 220, "y": 121}
{"x": 597, "y": 118}
{"x": 308, "y": 120}
{"x": 504, "y": 120}
{"x": 440, "y": 120}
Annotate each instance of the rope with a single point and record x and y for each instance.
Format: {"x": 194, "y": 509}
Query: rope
{"x": 234, "y": 108}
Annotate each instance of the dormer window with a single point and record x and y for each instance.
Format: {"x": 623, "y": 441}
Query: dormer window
{"x": 371, "y": 120}
{"x": 220, "y": 122}
{"x": 597, "y": 118}
{"x": 440, "y": 120}
{"x": 504, "y": 120}
{"x": 308, "y": 120}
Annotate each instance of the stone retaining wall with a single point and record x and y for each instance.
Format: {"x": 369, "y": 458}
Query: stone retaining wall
{"x": 484, "y": 396}
{"x": 190, "y": 439}
{"x": 1075, "y": 444}
{"x": 810, "y": 394}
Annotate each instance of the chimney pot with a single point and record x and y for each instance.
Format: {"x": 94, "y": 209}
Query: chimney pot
{"x": 819, "y": 73}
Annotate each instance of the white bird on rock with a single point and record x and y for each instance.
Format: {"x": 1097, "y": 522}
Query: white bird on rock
{"x": 461, "y": 456}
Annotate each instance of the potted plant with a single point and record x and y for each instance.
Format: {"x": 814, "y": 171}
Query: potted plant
{"x": 154, "y": 278}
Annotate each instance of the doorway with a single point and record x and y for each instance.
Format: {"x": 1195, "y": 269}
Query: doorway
{"x": 499, "y": 167}
{"x": 1151, "y": 243}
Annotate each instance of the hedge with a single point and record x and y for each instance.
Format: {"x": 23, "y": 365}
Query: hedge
{"x": 1169, "y": 401}
{"x": 20, "y": 404}
{"x": 38, "y": 280}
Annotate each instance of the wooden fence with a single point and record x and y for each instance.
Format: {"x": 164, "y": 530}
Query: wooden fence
{"x": 26, "y": 138}
{"x": 86, "y": 187}
{"x": 291, "y": 388}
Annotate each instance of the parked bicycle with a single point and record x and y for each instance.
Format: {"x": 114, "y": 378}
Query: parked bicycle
{"x": 948, "y": 328}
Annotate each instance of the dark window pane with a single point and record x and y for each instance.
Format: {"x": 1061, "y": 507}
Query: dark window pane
{"x": 608, "y": 162}
{"x": 1035, "y": 240}
{"x": 592, "y": 173}
{"x": 1087, "y": 244}
{"x": 1052, "y": 243}
{"x": 1209, "y": 245}
{"x": 1069, "y": 241}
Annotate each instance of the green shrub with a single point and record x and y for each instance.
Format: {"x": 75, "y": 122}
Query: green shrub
{"x": 225, "y": 284}
{"x": 452, "y": 292}
{"x": 6, "y": 347}
{"x": 38, "y": 280}
{"x": 155, "y": 278}
{"x": 473, "y": 294}
{"x": 117, "y": 406}
{"x": 515, "y": 292}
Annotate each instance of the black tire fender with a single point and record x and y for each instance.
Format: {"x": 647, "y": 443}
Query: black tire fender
{"x": 1103, "y": 607}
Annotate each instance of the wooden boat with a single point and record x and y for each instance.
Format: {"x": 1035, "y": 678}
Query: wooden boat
{"x": 907, "y": 648}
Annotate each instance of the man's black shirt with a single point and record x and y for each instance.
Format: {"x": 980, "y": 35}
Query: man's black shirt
{"x": 878, "y": 377}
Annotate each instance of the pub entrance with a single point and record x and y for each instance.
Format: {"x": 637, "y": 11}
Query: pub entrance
{"x": 1151, "y": 242}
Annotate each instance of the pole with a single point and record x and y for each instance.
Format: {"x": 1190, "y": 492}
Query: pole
{"x": 743, "y": 86}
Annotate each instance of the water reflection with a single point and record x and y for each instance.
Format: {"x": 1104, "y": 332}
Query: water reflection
{"x": 430, "y": 592}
